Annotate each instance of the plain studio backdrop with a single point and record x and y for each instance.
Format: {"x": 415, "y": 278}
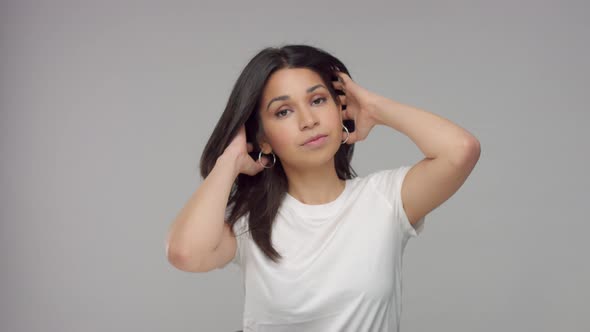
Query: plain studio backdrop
{"x": 106, "y": 107}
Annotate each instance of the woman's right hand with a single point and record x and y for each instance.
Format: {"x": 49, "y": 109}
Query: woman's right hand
{"x": 238, "y": 150}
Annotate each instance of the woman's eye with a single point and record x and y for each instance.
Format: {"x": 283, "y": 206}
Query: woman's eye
{"x": 323, "y": 99}
{"x": 277, "y": 114}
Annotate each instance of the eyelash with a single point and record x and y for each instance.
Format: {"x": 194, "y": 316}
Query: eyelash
{"x": 323, "y": 99}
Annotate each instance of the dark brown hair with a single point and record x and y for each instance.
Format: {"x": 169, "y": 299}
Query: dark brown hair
{"x": 261, "y": 195}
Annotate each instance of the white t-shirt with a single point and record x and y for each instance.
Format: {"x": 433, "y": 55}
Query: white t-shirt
{"x": 342, "y": 261}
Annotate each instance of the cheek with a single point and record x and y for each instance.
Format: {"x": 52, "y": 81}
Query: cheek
{"x": 281, "y": 139}
{"x": 334, "y": 118}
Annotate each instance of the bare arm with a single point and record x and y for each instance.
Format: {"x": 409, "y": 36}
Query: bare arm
{"x": 198, "y": 228}
{"x": 451, "y": 153}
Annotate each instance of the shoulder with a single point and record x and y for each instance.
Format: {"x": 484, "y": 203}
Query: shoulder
{"x": 388, "y": 179}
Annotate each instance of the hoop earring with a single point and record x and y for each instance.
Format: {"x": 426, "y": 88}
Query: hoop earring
{"x": 347, "y": 134}
{"x": 274, "y": 159}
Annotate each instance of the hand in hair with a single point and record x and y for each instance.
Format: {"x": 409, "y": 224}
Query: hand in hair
{"x": 359, "y": 105}
{"x": 238, "y": 150}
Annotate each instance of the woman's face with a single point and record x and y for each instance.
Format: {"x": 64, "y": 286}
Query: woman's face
{"x": 296, "y": 105}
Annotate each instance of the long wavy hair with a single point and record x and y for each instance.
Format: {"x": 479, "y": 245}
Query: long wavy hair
{"x": 261, "y": 195}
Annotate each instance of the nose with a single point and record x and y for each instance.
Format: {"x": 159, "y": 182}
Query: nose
{"x": 308, "y": 119}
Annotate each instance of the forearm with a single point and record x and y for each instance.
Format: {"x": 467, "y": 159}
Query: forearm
{"x": 434, "y": 135}
{"x": 198, "y": 228}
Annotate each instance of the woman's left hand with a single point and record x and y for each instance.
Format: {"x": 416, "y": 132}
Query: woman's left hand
{"x": 359, "y": 105}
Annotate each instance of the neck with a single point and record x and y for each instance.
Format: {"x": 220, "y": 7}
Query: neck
{"x": 315, "y": 186}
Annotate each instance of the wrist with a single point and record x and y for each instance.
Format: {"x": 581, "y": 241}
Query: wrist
{"x": 375, "y": 108}
{"x": 379, "y": 106}
{"x": 229, "y": 159}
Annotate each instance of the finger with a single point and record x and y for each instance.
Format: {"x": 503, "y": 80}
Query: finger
{"x": 352, "y": 138}
{"x": 339, "y": 89}
{"x": 340, "y": 93}
{"x": 342, "y": 99}
{"x": 340, "y": 78}
{"x": 343, "y": 77}
{"x": 253, "y": 168}
{"x": 338, "y": 85}
{"x": 335, "y": 76}
{"x": 346, "y": 114}
{"x": 264, "y": 160}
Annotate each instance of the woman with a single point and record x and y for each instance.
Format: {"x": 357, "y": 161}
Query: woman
{"x": 320, "y": 248}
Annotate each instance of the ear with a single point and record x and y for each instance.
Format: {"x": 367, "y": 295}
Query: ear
{"x": 264, "y": 146}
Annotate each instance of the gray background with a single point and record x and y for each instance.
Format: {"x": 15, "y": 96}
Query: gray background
{"x": 107, "y": 105}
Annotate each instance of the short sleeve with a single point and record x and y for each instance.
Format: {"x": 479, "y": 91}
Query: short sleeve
{"x": 389, "y": 184}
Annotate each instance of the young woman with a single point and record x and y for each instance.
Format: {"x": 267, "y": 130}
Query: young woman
{"x": 320, "y": 249}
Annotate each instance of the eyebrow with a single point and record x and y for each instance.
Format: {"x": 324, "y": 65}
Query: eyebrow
{"x": 285, "y": 97}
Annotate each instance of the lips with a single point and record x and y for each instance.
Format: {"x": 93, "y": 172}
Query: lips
{"x": 314, "y": 138}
